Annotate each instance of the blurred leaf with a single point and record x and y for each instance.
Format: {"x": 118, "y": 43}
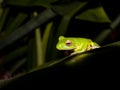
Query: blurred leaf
{"x": 14, "y": 54}
{"x": 31, "y": 61}
{"x": 48, "y": 41}
{"x": 3, "y": 18}
{"x": 38, "y": 38}
{"x": 27, "y": 3}
{"x": 68, "y": 14}
{"x": 102, "y": 36}
{"x": 39, "y": 51}
{"x": 15, "y": 23}
{"x": 105, "y": 33}
{"x": 1, "y": 9}
{"x": 115, "y": 22}
{"x": 3, "y": 83}
{"x": 69, "y": 8}
{"x": 17, "y": 65}
{"x": 25, "y": 29}
{"x": 95, "y": 15}
{"x": 46, "y": 38}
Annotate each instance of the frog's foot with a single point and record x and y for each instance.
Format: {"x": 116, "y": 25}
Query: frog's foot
{"x": 92, "y": 47}
{"x": 76, "y": 52}
{"x": 73, "y": 54}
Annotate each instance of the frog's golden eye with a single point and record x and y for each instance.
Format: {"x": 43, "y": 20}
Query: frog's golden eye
{"x": 68, "y": 43}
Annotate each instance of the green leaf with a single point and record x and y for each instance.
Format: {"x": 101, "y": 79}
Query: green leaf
{"x": 31, "y": 60}
{"x": 17, "y": 65}
{"x": 28, "y": 3}
{"x": 105, "y": 33}
{"x": 68, "y": 14}
{"x": 17, "y": 53}
{"x": 95, "y": 15}
{"x": 46, "y": 38}
{"x": 6, "y": 82}
{"x": 15, "y": 23}
{"x": 28, "y": 27}
{"x": 39, "y": 50}
{"x": 84, "y": 67}
{"x": 3, "y": 17}
{"x": 69, "y": 8}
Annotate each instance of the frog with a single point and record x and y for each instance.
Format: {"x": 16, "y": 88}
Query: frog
{"x": 76, "y": 44}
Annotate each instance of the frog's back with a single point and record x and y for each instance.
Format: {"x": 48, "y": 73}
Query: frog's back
{"x": 80, "y": 40}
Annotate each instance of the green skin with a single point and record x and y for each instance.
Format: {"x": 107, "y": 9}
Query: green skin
{"x": 78, "y": 45}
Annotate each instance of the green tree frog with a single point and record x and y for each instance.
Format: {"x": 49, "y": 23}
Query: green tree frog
{"x": 78, "y": 45}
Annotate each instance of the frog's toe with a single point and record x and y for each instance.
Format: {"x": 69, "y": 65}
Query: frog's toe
{"x": 93, "y": 47}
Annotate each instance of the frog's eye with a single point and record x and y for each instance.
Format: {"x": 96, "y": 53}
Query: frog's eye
{"x": 68, "y": 43}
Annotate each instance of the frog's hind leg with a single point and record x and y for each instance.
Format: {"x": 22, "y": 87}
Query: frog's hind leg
{"x": 90, "y": 47}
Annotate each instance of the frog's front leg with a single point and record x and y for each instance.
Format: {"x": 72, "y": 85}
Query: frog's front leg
{"x": 77, "y": 51}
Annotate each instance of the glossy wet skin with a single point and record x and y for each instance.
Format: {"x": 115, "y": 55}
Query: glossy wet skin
{"x": 78, "y": 45}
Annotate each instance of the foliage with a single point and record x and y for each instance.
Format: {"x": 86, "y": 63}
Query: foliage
{"x": 29, "y": 31}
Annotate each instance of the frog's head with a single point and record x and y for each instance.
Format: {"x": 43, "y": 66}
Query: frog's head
{"x": 65, "y": 44}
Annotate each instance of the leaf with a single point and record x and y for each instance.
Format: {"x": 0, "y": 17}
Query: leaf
{"x": 29, "y": 3}
{"x": 105, "y": 33}
{"x": 17, "y": 65}
{"x": 17, "y": 53}
{"x": 68, "y": 14}
{"x": 46, "y": 38}
{"x": 96, "y": 66}
{"x": 15, "y": 23}
{"x": 69, "y": 8}
{"x": 28, "y": 27}
{"x": 6, "y": 82}
{"x": 31, "y": 57}
{"x": 39, "y": 50}
{"x": 3, "y": 17}
{"x": 95, "y": 15}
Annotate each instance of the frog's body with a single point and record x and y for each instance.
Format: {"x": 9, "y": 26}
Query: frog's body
{"x": 78, "y": 45}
